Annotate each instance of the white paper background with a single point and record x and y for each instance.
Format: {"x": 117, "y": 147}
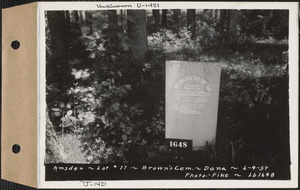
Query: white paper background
{"x": 293, "y": 92}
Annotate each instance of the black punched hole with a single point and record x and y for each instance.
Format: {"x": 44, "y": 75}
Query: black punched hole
{"x": 15, "y": 44}
{"x": 16, "y": 149}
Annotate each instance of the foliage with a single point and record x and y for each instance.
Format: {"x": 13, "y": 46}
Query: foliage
{"x": 207, "y": 33}
{"x": 167, "y": 41}
{"x": 264, "y": 24}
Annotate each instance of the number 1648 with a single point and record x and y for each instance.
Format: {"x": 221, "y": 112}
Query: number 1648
{"x": 180, "y": 144}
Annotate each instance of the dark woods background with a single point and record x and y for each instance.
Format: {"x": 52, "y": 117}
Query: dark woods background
{"x": 106, "y": 77}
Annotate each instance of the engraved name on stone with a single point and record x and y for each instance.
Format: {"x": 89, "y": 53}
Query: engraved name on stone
{"x": 192, "y": 92}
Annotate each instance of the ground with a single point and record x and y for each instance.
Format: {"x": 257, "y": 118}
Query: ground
{"x": 72, "y": 148}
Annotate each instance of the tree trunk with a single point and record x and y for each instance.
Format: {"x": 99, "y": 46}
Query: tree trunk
{"x": 76, "y": 16}
{"x": 77, "y": 24}
{"x": 76, "y": 19}
{"x": 137, "y": 33}
{"x": 232, "y": 23}
{"x": 67, "y": 14}
{"x": 59, "y": 34}
{"x": 176, "y": 18}
{"x": 123, "y": 17}
{"x": 89, "y": 22}
{"x": 54, "y": 148}
{"x": 156, "y": 16}
{"x": 164, "y": 21}
{"x": 222, "y": 25}
{"x": 68, "y": 26}
{"x": 82, "y": 17}
{"x": 112, "y": 19}
{"x": 191, "y": 21}
{"x": 217, "y": 19}
{"x": 217, "y": 15}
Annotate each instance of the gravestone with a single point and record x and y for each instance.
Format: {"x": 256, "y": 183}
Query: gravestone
{"x": 192, "y": 97}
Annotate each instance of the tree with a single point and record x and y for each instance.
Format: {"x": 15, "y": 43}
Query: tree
{"x": 176, "y": 18}
{"x": 59, "y": 30}
{"x": 222, "y": 22}
{"x": 164, "y": 21}
{"x": 123, "y": 19}
{"x": 76, "y": 22}
{"x": 191, "y": 21}
{"x": 68, "y": 23}
{"x": 232, "y": 23}
{"x": 82, "y": 17}
{"x": 89, "y": 21}
{"x": 58, "y": 66}
{"x": 156, "y": 16}
{"x": 137, "y": 32}
{"x": 54, "y": 148}
{"x": 112, "y": 19}
{"x": 76, "y": 16}
{"x": 217, "y": 13}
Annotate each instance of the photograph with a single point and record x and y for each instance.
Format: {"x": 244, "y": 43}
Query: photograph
{"x": 167, "y": 94}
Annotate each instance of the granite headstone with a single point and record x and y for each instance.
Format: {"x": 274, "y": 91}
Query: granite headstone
{"x": 192, "y": 97}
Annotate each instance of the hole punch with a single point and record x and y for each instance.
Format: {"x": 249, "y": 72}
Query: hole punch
{"x": 15, "y": 44}
{"x": 16, "y": 148}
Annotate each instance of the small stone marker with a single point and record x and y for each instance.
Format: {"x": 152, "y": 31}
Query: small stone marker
{"x": 192, "y": 97}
